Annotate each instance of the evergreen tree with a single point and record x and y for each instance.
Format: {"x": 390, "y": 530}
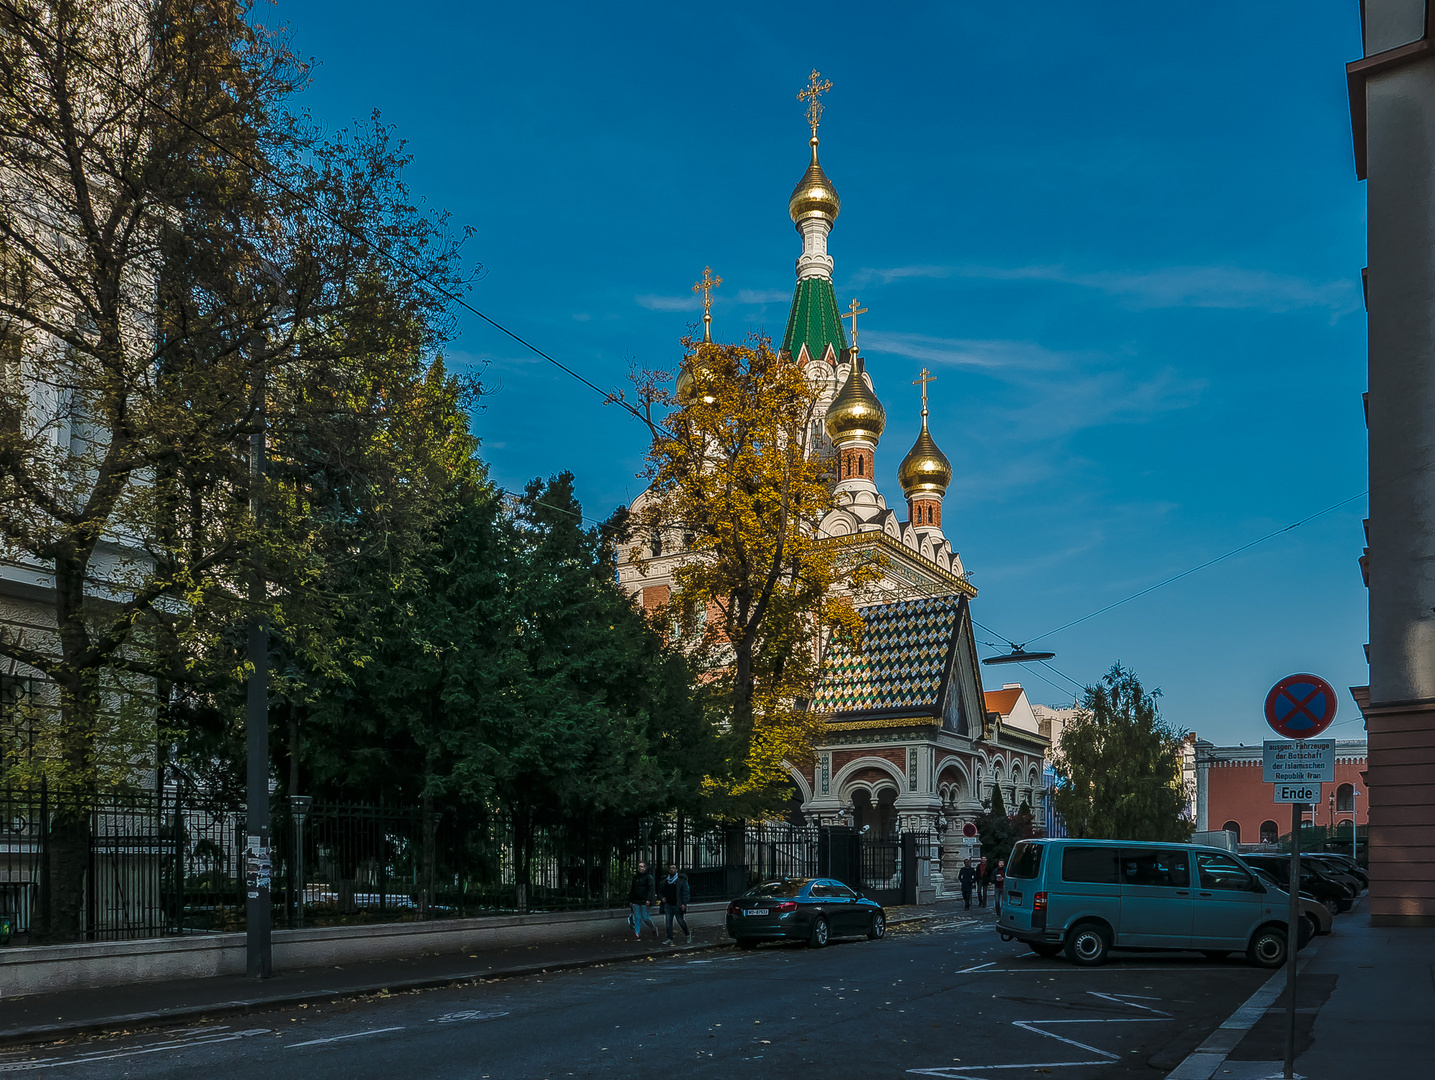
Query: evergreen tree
{"x": 1119, "y": 766}
{"x": 998, "y": 802}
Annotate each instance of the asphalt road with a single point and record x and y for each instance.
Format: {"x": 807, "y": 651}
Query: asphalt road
{"x": 944, "y": 997}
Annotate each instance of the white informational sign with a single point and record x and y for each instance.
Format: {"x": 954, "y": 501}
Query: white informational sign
{"x": 1309, "y": 761}
{"x": 1308, "y": 794}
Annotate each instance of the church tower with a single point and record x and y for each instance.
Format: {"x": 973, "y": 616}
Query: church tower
{"x": 814, "y": 327}
{"x": 925, "y": 473}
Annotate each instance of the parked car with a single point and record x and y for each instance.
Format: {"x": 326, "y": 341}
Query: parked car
{"x": 1345, "y": 864}
{"x": 1087, "y": 897}
{"x": 1317, "y": 914}
{"x": 814, "y": 910}
{"x": 1332, "y": 894}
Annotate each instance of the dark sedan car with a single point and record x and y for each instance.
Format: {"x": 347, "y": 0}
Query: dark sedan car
{"x": 814, "y": 910}
{"x": 1335, "y": 896}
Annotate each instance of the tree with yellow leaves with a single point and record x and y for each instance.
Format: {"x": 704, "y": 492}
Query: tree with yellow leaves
{"x": 758, "y": 592}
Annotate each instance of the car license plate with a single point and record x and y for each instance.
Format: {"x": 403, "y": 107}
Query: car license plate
{"x": 755, "y": 911}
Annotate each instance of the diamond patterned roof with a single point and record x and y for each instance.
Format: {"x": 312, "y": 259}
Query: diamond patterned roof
{"x": 900, "y": 664}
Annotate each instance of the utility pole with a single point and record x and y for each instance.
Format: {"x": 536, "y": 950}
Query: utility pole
{"x": 257, "y": 864}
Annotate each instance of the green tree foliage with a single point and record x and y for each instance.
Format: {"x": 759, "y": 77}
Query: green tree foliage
{"x": 733, "y": 483}
{"x": 180, "y": 255}
{"x": 999, "y": 831}
{"x": 1119, "y": 766}
{"x": 514, "y": 678}
{"x": 998, "y": 802}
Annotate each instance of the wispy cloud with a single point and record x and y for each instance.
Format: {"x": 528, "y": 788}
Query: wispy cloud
{"x": 1230, "y": 287}
{"x": 959, "y": 352}
{"x": 668, "y": 303}
{"x": 764, "y": 296}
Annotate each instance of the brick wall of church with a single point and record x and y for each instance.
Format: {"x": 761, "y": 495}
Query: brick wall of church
{"x": 897, "y": 755}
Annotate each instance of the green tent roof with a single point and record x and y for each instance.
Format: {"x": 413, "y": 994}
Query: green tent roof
{"x": 814, "y": 320}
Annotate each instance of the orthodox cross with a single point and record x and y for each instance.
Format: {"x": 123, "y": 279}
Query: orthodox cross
{"x": 815, "y": 88}
{"x": 852, "y": 312}
{"x": 927, "y": 377}
{"x": 706, "y": 287}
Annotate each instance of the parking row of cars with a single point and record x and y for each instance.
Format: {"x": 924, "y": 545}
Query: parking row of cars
{"x": 1088, "y": 897}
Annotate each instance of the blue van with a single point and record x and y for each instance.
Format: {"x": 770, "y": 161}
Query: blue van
{"x": 1087, "y": 897}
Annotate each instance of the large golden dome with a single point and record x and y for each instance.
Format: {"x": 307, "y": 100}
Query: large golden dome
{"x": 814, "y": 195}
{"x": 855, "y": 412}
{"x": 925, "y": 470}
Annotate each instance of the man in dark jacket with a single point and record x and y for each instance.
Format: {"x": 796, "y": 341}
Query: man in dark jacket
{"x": 984, "y": 877}
{"x": 639, "y": 897}
{"x": 676, "y": 894}
{"x": 967, "y": 877}
{"x": 999, "y": 884}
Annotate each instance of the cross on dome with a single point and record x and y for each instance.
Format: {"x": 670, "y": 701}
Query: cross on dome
{"x": 706, "y": 286}
{"x": 927, "y": 377}
{"x": 852, "y": 312}
{"x": 811, "y": 93}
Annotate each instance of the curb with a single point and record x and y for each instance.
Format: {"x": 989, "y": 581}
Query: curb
{"x": 51, "y": 1032}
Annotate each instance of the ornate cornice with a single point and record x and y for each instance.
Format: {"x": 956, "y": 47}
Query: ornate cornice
{"x": 939, "y": 582}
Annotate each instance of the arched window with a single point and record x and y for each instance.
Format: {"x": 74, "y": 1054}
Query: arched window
{"x": 861, "y": 465}
{"x": 1235, "y": 827}
{"x": 1345, "y": 798}
{"x": 1270, "y": 832}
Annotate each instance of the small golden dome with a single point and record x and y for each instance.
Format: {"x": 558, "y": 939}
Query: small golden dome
{"x": 814, "y": 195}
{"x": 855, "y": 413}
{"x": 685, "y": 384}
{"x": 925, "y": 470}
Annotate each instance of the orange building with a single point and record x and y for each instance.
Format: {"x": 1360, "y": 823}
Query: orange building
{"x": 1230, "y": 794}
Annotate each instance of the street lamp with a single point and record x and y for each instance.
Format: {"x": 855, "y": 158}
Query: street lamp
{"x": 299, "y": 807}
{"x": 1354, "y": 824}
{"x": 1018, "y": 655}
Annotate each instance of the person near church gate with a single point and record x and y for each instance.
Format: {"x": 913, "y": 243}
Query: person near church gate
{"x": 640, "y": 895}
{"x": 676, "y": 894}
{"x": 984, "y": 877}
{"x": 967, "y": 877}
{"x": 999, "y": 884}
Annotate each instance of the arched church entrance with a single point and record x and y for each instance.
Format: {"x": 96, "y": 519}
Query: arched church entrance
{"x": 877, "y": 815}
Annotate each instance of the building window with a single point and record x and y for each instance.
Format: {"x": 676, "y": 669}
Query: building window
{"x": 1345, "y": 799}
{"x": 1233, "y": 827}
{"x": 1270, "y": 832}
{"x": 861, "y": 466}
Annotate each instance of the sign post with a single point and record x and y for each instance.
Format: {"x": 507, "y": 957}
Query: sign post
{"x": 1298, "y": 707}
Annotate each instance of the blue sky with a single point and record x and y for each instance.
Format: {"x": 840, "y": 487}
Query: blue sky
{"x": 1127, "y": 238}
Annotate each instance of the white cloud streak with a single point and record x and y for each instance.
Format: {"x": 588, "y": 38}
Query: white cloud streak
{"x": 668, "y": 303}
{"x": 1227, "y": 287}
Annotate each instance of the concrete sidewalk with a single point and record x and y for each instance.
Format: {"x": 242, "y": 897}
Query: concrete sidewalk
{"x": 1365, "y": 1005}
{"x": 43, "y": 1017}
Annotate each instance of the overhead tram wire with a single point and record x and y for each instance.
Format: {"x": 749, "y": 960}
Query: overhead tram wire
{"x": 353, "y": 231}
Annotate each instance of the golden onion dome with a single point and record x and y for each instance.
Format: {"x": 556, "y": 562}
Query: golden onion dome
{"x": 855, "y": 413}
{"x": 814, "y": 195}
{"x": 925, "y": 470}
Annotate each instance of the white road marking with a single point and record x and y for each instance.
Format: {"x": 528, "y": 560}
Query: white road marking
{"x": 134, "y": 1051}
{"x": 953, "y": 1072}
{"x": 339, "y": 1038}
{"x": 977, "y": 968}
{"x": 467, "y": 1014}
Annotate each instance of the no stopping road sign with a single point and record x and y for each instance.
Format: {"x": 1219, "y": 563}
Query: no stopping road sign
{"x": 1300, "y": 706}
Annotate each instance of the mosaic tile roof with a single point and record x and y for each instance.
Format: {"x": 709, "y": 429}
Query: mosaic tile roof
{"x": 901, "y": 663}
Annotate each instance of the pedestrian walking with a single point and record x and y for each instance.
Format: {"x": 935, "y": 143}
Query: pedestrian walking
{"x": 676, "y": 895}
{"x": 999, "y": 884}
{"x": 639, "y": 897}
{"x": 984, "y": 877}
{"x": 967, "y": 877}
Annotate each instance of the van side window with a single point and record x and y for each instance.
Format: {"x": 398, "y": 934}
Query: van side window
{"x": 1217, "y": 871}
{"x": 1095, "y": 865}
{"x": 1169, "y": 868}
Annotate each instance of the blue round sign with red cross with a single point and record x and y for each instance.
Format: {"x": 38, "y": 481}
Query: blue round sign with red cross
{"x": 1300, "y": 706}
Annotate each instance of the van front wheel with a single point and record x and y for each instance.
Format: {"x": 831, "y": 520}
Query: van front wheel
{"x": 1088, "y": 944}
{"x": 1268, "y": 947}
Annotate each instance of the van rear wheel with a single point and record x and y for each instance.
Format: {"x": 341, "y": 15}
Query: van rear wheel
{"x": 1088, "y": 944}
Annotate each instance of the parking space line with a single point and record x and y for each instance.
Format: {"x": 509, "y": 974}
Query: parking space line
{"x": 977, "y": 968}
